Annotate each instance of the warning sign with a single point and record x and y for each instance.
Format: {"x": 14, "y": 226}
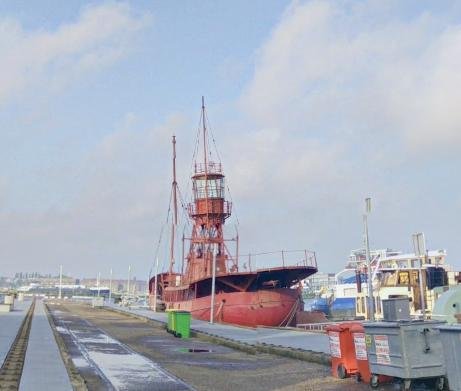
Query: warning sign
{"x": 382, "y": 349}
{"x": 335, "y": 348}
{"x": 360, "y": 346}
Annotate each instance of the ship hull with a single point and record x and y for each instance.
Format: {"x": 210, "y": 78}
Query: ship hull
{"x": 264, "y": 307}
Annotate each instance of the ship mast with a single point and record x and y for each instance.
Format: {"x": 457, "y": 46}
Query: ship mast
{"x": 208, "y": 210}
{"x": 205, "y": 158}
{"x": 174, "y": 221}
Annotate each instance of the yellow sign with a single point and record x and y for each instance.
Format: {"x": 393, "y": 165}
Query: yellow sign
{"x": 368, "y": 340}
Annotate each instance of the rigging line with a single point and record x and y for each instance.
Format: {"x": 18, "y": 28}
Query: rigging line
{"x": 207, "y": 121}
{"x": 162, "y": 229}
{"x": 197, "y": 142}
{"x": 184, "y": 209}
{"x": 210, "y": 128}
{"x": 195, "y": 151}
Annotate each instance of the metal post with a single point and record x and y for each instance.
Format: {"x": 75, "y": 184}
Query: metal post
{"x": 283, "y": 258}
{"x": 128, "y": 282}
{"x": 97, "y": 281}
{"x": 155, "y": 285}
{"x": 110, "y": 286}
{"x": 60, "y": 282}
{"x": 419, "y": 245}
{"x": 213, "y": 287}
{"x": 371, "y": 300}
{"x": 421, "y": 291}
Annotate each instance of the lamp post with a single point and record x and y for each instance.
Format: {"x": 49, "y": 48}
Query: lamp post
{"x": 60, "y": 282}
{"x": 155, "y": 285}
{"x": 213, "y": 287}
{"x": 97, "y": 282}
{"x": 419, "y": 245}
{"x": 371, "y": 301}
{"x": 110, "y": 286}
{"x": 128, "y": 282}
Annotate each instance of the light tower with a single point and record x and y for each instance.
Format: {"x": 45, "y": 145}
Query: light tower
{"x": 209, "y": 210}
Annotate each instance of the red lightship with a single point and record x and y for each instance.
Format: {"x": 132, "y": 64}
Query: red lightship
{"x": 244, "y": 295}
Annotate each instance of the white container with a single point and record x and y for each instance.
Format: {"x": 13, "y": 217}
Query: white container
{"x": 9, "y": 299}
{"x": 5, "y": 308}
{"x": 98, "y": 302}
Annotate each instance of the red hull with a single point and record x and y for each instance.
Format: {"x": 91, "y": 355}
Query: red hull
{"x": 274, "y": 307}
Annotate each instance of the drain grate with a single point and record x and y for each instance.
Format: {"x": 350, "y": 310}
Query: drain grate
{"x": 192, "y": 350}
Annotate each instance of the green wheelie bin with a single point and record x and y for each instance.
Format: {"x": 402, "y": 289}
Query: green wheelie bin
{"x": 182, "y": 324}
{"x": 171, "y": 320}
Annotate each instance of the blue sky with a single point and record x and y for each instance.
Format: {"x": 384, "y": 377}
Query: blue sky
{"x": 314, "y": 105}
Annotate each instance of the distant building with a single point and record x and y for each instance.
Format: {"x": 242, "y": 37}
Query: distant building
{"x": 320, "y": 283}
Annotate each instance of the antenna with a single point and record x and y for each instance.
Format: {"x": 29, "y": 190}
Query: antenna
{"x": 204, "y": 137}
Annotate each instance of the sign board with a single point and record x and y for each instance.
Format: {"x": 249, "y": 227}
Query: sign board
{"x": 382, "y": 349}
{"x": 335, "y": 348}
{"x": 360, "y": 346}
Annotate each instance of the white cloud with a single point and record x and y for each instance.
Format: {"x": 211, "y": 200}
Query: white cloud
{"x": 51, "y": 59}
{"x": 350, "y": 100}
{"x": 327, "y": 65}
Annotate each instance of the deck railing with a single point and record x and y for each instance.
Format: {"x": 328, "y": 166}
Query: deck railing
{"x": 277, "y": 259}
{"x": 319, "y": 327}
{"x": 211, "y": 168}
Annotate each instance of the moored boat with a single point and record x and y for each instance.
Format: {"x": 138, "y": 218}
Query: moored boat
{"x": 212, "y": 284}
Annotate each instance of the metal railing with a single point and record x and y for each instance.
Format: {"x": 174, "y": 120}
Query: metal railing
{"x": 277, "y": 259}
{"x": 319, "y": 327}
{"x": 211, "y": 168}
{"x": 212, "y": 208}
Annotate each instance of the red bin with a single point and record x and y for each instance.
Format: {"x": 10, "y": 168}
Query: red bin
{"x": 361, "y": 356}
{"x": 343, "y": 360}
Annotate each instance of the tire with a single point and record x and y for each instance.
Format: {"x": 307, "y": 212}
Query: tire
{"x": 440, "y": 384}
{"x": 405, "y": 385}
{"x": 341, "y": 371}
{"x": 374, "y": 381}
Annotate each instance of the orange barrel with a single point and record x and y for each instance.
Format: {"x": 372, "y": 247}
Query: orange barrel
{"x": 343, "y": 360}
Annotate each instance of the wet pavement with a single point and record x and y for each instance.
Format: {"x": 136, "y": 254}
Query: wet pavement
{"x": 199, "y": 364}
{"x": 101, "y": 344}
{"x": 117, "y": 366}
{"x": 288, "y": 338}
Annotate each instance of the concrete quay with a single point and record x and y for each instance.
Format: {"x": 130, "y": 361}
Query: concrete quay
{"x": 10, "y": 322}
{"x": 299, "y": 340}
{"x": 43, "y": 365}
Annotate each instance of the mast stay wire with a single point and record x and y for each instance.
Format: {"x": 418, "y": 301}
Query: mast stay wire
{"x": 181, "y": 198}
{"x": 157, "y": 249}
{"x": 219, "y": 157}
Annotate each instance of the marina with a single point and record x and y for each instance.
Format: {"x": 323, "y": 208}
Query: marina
{"x": 216, "y": 196}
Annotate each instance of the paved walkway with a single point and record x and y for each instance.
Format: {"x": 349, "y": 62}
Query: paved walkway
{"x": 43, "y": 366}
{"x": 9, "y": 326}
{"x": 289, "y": 338}
{"x": 119, "y": 367}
